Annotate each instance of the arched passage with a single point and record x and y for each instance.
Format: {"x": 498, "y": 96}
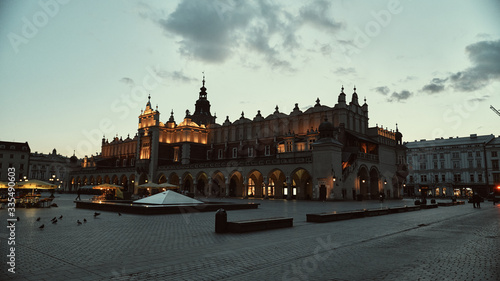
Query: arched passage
{"x": 363, "y": 180}
{"x": 106, "y": 179}
{"x": 124, "y": 181}
{"x": 255, "y": 184}
{"x": 187, "y": 183}
{"x": 374, "y": 183}
{"x": 218, "y": 184}
{"x": 202, "y": 184}
{"x": 236, "y": 184}
{"x": 162, "y": 178}
{"x": 302, "y": 184}
{"x": 277, "y": 182}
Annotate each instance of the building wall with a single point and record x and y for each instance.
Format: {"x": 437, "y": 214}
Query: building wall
{"x": 16, "y": 155}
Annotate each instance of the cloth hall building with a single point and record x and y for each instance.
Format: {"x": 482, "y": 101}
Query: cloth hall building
{"x": 321, "y": 153}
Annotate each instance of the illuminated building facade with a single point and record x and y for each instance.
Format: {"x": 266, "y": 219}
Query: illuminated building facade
{"x": 453, "y": 166}
{"x": 321, "y": 153}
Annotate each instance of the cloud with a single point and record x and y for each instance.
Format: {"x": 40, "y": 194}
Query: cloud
{"x": 215, "y": 31}
{"x": 400, "y": 97}
{"x": 345, "y": 71}
{"x": 316, "y": 14}
{"x": 128, "y": 81}
{"x": 435, "y": 86}
{"x": 485, "y": 58}
{"x": 175, "y": 76}
{"x": 384, "y": 90}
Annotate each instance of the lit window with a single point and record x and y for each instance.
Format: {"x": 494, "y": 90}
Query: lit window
{"x": 251, "y": 187}
{"x": 176, "y": 154}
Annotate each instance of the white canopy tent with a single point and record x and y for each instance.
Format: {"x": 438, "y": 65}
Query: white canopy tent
{"x": 168, "y": 197}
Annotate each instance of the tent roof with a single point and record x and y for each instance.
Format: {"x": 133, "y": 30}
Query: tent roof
{"x": 168, "y": 197}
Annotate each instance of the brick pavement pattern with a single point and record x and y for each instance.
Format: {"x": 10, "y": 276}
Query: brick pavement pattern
{"x": 447, "y": 243}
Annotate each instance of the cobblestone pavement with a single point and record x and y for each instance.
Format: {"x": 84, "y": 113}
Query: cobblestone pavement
{"x": 447, "y": 243}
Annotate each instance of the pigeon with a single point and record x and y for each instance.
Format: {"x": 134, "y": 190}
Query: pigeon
{"x": 60, "y": 217}
{"x": 119, "y": 214}
{"x": 84, "y": 220}
{"x": 78, "y": 222}
{"x": 54, "y": 221}
{"x": 38, "y": 219}
{"x": 96, "y": 214}
{"x": 17, "y": 218}
{"x": 41, "y": 226}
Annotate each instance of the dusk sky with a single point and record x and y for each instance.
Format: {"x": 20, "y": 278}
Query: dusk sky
{"x": 73, "y": 71}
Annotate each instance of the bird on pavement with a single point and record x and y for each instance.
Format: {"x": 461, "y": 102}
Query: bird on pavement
{"x": 96, "y": 214}
{"x": 84, "y": 220}
{"x": 38, "y": 219}
{"x": 17, "y": 218}
{"x": 41, "y": 226}
{"x": 60, "y": 217}
{"x": 54, "y": 221}
{"x": 119, "y": 214}
{"x": 78, "y": 222}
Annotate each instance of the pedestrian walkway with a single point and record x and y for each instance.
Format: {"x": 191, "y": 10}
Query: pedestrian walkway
{"x": 186, "y": 247}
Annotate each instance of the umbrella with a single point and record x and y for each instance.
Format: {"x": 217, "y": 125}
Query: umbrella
{"x": 168, "y": 197}
{"x": 168, "y": 185}
{"x": 106, "y": 186}
{"x": 149, "y": 185}
{"x": 35, "y": 184}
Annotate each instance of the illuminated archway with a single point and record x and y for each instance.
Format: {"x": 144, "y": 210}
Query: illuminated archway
{"x": 278, "y": 179}
{"x": 363, "y": 182}
{"x": 302, "y": 184}
{"x": 255, "y": 184}
{"x": 106, "y": 179}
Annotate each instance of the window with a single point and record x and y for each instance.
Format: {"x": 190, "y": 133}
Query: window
{"x": 423, "y": 178}
{"x": 434, "y": 156}
{"x": 436, "y": 178}
{"x": 480, "y": 177}
{"x": 21, "y": 167}
{"x": 176, "y": 154}
{"x": 494, "y": 154}
{"x": 496, "y": 178}
{"x": 267, "y": 150}
{"x": 442, "y": 164}
{"x": 457, "y": 178}
{"x": 443, "y": 178}
{"x": 22, "y": 156}
{"x": 471, "y": 177}
{"x": 12, "y": 147}
{"x": 11, "y": 156}
{"x": 1, "y": 155}
{"x": 124, "y": 163}
{"x": 250, "y": 152}
{"x": 469, "y": 154}
{"x": 478, "y": 153}
{"x": 289, "y": 146}
{"x": 219, "y": 154}
{"x": 456, "y": 164}
{"x": 435, "y": 164}
{"x": 117, "y": 162}
{"x": 494, "y": 165}
{"x": 235, "y": 152}
{"x": 208, "y": 154}
{"x": 441, "y": 156}
{"x": 411, "y": 178}
{"x": 401, "y": 159}
{"x": 470, "y": 164}
{"x": 423, "y": 166}
{"x": 478, "y": 163}
{"x": 455, "y": 155}
{"x": 311, "y": 141}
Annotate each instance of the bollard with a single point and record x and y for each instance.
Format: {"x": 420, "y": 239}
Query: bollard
{"x": 220, "y": 221}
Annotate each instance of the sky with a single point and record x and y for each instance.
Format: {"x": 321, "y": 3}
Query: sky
{"x": 72, "y": 72}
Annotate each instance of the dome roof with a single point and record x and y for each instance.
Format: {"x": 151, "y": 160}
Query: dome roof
{"x": 326, "y": 129}
{"x": 73, "y": 159}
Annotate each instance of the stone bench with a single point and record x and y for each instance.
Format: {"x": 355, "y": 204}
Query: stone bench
{"x": 335, "y": 216}
{"x": 259, "y": 224}
{"x": 395, "y": 210}
{"x": 428, "y": 206}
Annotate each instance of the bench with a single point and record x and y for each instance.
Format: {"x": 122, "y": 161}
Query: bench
{"x": 335, "y": 216}
{"x": 259, "y": 224}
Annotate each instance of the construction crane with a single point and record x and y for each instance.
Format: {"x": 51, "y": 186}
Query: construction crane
{"x": 494, "y": 109}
